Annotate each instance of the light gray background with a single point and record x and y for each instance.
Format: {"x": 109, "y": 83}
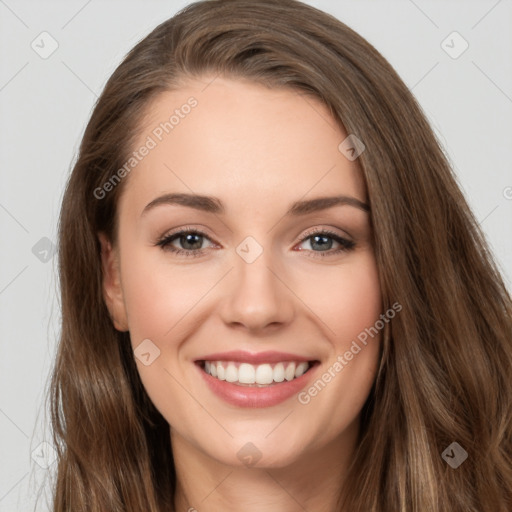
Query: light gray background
{"x": 45, "y": 104}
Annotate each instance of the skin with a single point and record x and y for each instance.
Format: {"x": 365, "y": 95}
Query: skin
{"x": 257, "y": 150}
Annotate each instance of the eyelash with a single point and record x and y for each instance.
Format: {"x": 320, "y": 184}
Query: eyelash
{"x": 165, "y": 241}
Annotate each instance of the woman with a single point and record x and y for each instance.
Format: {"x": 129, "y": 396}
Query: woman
{"x": 274, "y": 295}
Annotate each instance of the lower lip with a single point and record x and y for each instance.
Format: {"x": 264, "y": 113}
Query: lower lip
{"x": 254, "y": 397}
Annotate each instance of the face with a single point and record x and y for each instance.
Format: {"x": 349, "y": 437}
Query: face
{"x": 253, "y": 281}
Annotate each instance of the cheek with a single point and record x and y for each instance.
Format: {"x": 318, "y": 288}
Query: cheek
{"x": 347, "y": 299}
{"x": 159, "y": 300}
{"x": 349, "y": 305}
{"x": 158, "y": 295}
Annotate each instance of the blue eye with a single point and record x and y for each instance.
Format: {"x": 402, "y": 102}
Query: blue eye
{"x": 324, "y": 240}
{"x": 191, "y": 241}
{"x": 191, "y": 238}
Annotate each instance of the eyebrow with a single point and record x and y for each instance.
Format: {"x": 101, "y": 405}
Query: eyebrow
{"x": 214, "y": 205}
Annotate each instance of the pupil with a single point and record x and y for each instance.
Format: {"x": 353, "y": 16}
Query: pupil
{"x": 322, "y": 246}
{"x": 186, "y": 239}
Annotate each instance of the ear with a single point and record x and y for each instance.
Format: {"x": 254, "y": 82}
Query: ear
{"x": 112, "y": 290}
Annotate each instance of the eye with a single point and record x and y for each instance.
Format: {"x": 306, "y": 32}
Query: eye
{"x": 321, "y": 242}
{"x": 190, "y": 239}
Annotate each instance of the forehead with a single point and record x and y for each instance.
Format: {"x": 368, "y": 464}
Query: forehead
{"x": 242, "y": 142}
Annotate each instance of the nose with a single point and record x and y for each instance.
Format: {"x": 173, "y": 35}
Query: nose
{"x": 257, "y": 297}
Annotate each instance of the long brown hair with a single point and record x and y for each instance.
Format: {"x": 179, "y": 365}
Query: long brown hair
{"x": 446, "y": 366}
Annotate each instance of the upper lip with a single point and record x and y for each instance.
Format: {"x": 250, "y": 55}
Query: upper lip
{"x": 254, "y": 358}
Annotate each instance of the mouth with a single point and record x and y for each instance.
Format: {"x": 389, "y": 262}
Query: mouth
{"x": 256, "y": 380}
{"x": 256, "y": 375}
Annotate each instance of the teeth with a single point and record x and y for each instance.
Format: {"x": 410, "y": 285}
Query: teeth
{"x": 279, "y": 372}
{"x": 289, "y": 372}
{"x": 231, "y": 373}
{"x": 301, "y": 369}
{"x": 262, "y": 374}
{"x": 246, "y": 374}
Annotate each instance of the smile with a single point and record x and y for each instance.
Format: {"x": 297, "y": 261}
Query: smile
{"x": 246, "y": 374}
